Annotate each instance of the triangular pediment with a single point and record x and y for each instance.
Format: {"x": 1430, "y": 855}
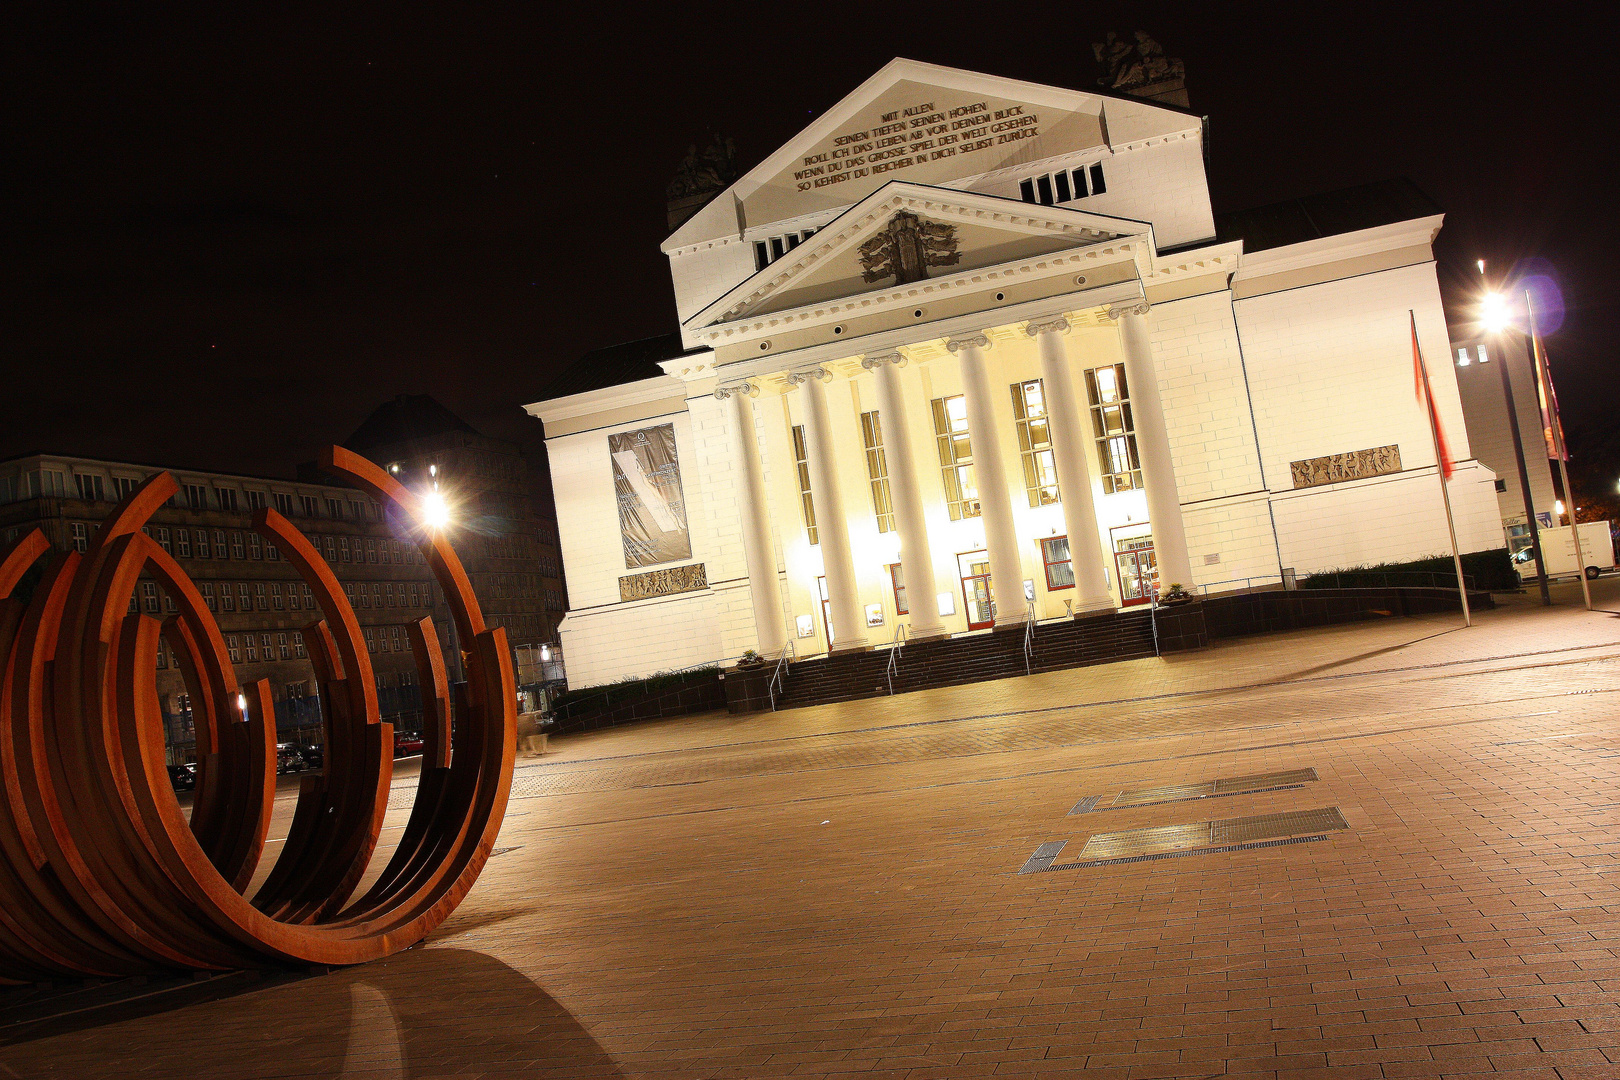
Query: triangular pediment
{"x": 924, "y": 124}
{"x": 905, "y": 233}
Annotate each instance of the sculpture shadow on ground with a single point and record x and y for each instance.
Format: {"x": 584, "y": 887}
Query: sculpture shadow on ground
{"x": 424, "y": 1012}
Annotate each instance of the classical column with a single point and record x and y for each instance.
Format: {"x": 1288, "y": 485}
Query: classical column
{"x": 758, "y": 550}
{"x": 1065, "y": 419}
{"x": 832, "y": 529}
{"x": 1153, "y": 446}
{"x": 916, "y": 559}
{"x": 995, "y": 504}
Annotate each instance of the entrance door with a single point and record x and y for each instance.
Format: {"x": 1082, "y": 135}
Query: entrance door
{"x": 826, "y": 610}
{"x": 977, "y": 591}
{"x": 1138, "y": 570}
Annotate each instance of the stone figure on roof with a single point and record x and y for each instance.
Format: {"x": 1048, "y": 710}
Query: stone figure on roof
{"x": 701, "y": 172}
{"x": 1128, "y": 66}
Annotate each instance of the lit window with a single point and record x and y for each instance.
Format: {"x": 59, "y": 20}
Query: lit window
{"x": 801, "y": 459}
{"x": 1059, "y": 571}
{"x": 1116, "y": 432}
{"x": 1035, "y": 442}
{"x": 877, "y": 470}
{"x": 956, "y": 456}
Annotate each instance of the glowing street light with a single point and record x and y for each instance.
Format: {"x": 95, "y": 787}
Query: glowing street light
{"x": 1495, "y": 314}
{"x": 435, "y": 511}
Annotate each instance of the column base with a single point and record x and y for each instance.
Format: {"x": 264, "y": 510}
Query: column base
{"x": 858, "y": 645}
{"x": 1017, "y": 622}
{"x": 1098, "y": 606}
{"x": 926, "y": 633}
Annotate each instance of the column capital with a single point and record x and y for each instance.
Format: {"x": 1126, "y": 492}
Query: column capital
{"x": 1133, "y": 307}
{"x": 1057, "y": 325}
{"x": 978, "y": 340}
{"x": 799, "y": 378}
{"x": 721, "y": 393}
{"x": 873, "y": 361}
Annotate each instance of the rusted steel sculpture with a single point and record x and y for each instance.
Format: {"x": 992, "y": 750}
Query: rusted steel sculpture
{"x": 101, "y": 874}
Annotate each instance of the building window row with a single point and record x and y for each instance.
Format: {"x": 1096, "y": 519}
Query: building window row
{"x": 244, "y": 596}
{"x": 772, "y": 248}
{"x": 1065, "y": 185}
{"x": 877, "y": 470}
{"x": 801, "y": 465}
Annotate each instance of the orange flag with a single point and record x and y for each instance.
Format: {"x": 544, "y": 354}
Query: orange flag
{"x": 1425, "y": 396}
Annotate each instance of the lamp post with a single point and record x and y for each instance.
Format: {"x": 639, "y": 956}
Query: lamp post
{"x": 1495, "y": 322}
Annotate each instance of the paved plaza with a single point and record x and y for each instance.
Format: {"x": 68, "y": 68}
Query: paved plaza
{"x": 1413, "y": 873}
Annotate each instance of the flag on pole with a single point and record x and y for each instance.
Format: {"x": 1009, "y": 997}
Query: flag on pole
{"x": 1426, "y": 399}
{"x": 1552, "y": 429}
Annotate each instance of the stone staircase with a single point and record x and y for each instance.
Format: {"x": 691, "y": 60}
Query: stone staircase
{"x": 1096, "y": 639}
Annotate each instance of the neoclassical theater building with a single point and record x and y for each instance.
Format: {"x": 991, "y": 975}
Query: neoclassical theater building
{"x": 971, "y": 351}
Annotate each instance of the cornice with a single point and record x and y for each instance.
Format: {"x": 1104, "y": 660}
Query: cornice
{"x": 1339, "y": 247}
{"x": 640, "y": 392}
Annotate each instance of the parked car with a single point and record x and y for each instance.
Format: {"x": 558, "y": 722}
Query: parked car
{"x": 288, "y": 759}
{"x": 407, "y": 743}
{"x": 183, "y": 777}
{"x": 314, "y": 756}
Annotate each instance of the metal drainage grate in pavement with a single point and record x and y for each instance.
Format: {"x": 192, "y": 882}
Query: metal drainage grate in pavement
{"x": 1155, "y": 856}
{"x": 1203, "y": 834}
{"x": 1231, "y": 785}
{"x": 1043, "y": 857}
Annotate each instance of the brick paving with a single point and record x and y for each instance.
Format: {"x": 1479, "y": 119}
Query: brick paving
{"x": 835, "y": 890}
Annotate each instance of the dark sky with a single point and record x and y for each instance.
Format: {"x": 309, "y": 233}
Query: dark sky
{"x": 229, "y": 236}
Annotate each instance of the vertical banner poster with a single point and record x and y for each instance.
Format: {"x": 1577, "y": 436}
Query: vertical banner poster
{"x": 652, "y": 511}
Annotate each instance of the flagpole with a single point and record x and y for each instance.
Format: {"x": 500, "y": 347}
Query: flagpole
{"x": 1556, "y": 431}
{"x": 1440, "y": 470}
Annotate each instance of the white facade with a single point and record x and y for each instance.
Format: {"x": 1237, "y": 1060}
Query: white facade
{"x": 1238, "y": 366}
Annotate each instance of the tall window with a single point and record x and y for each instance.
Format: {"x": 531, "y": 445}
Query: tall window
{"x": 182, "y": 543}
{"x": 334, "y": 508}
{"x": 90, "y": 487}
{"x": 956, "y": 456}
{"x": 238, "y": 552}
{"x": 258, "y": 595}
{"x": 298, "y": 644}
{"x": 197, "y": 496}
{"x": 219, "y": 543}
{"x": 801, "y": 460}
{"x": 252, "y": 648}
{"x": 275, "y": 595}
{"x": 226, "y": 498}
{"x": 123, "y": 486}
{"x": 255, "y": 500}
{"x": 242, "y": 597}
{"x": 1059, "y": 570}
{"x": 207, "y": 588}
{"x": 227, "y": 597}
{"x": 149, "y": 597}
{"x": 283, "y": 502}
{"x": 1035, "y": 442}
{"x": 202, "y": 544}
{"x": 233, "y": 648}
{"x": 81, "y": 537}
{"x": 897, "y": 577}
{"x": 877, "y": 469}
{"x": 255, "y": 546}
{"x": 163, "y": 539}
{"x": 1115, "y": 431}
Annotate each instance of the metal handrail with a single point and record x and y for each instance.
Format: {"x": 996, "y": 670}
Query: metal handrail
{"x": 1153, "y": 616}
{"x": 778, "y": 681}
{"x": 1029, "y": 638}
{"x": 896, "y": 645}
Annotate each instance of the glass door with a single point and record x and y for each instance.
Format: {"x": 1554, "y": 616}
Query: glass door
{"x": 826, "y": 610}
{"x": 977, "y": 590}
{"x": 1138, "y": 570}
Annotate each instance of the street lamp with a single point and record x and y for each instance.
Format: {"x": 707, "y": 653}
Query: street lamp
{"x": 435, "y": 511}
{"x": 1495, "y": 316}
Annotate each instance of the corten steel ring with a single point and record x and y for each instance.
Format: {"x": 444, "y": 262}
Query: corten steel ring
{"x": 101, "y": 874}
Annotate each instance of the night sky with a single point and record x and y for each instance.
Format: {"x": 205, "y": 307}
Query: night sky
{"x": 227, "y": 240}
